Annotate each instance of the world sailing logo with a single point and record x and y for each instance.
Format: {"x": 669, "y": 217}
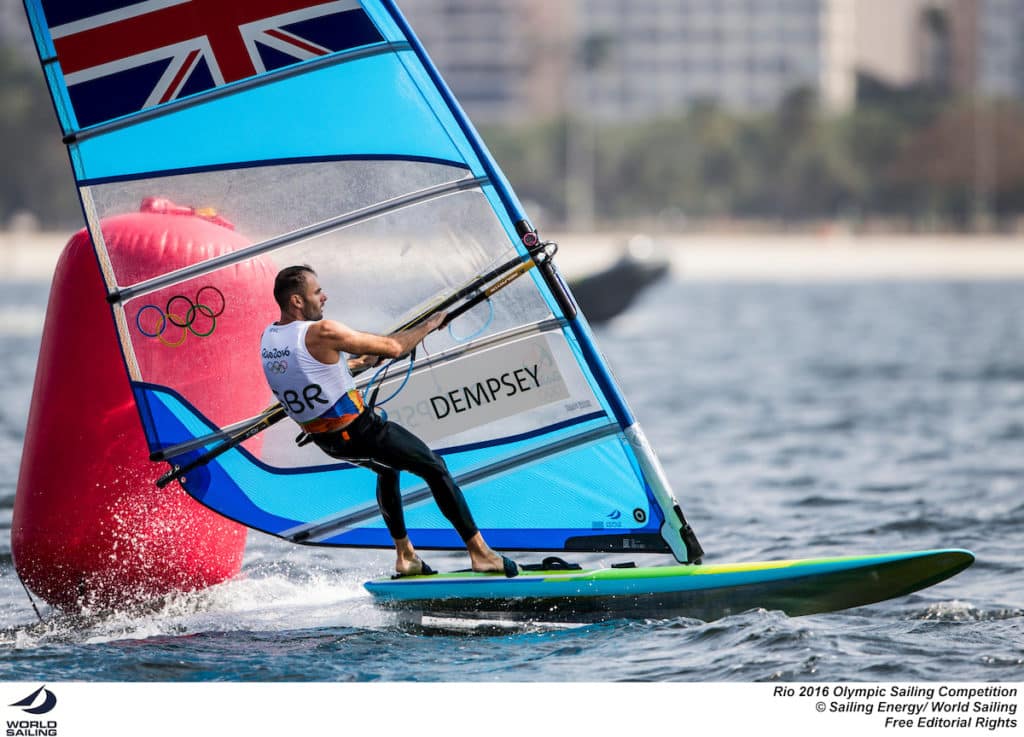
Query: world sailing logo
{"x": 26, "y": 704}
{"x": 40, "y": 701}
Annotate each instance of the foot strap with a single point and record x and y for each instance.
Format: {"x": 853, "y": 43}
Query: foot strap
{"x": 552, "y": 563}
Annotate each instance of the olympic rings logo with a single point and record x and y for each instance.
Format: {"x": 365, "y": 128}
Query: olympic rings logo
{"x": 276, "y": 367}
{"x": 196, "y": 317}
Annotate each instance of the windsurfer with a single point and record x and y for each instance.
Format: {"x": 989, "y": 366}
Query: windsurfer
{"x": 302, "y": 359}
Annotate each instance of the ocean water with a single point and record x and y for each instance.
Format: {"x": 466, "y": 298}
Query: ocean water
{"x": 795, "y": 420}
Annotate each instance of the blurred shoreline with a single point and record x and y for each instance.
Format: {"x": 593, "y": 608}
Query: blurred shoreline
{"x": 32, "y": 256}
{"x": 805, "y": 257}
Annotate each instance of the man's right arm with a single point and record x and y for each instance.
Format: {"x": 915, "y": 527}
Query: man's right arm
{"x": 329, "y": 335}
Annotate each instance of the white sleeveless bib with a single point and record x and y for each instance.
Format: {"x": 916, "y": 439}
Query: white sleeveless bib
{"x": 305, "y": 387}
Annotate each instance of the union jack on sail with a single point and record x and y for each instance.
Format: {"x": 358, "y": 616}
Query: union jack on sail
{"x": 122, "y": 56}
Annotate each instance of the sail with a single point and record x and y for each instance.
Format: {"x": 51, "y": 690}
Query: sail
{"x": 324, "y": 133}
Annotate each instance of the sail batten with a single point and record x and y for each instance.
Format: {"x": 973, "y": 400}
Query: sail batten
{"x": 236, "y": 166}
{"x": 222, "y": 434}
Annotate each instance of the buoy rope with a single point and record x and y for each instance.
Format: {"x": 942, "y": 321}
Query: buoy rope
{"x": 30, "y": 599}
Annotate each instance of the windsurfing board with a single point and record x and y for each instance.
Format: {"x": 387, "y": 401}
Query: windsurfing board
{"x": 706, "y": 592}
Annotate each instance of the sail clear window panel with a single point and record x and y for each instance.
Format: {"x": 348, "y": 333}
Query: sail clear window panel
{"x": 264, "y": 202}
{"x": 382, "y": 271}
{"x": 376, "y": 275}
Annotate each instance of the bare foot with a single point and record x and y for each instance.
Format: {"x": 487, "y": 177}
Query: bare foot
{"x": 486, "y": 562}
{"x": 495, "y": 563}
{"x": 408, "y": 562}
{"x": 415, "y": 567}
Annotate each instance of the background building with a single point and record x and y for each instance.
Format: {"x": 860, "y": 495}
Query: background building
{"x": 637, "y": 59}
{"x": 884, "y": 34}
{"x": 617, "y": 60}
{"x": 661, "y": 57}
{"x": 1000, "y": 41}
{"x": 962, "y": 47}
{"x": 506, "y": 60}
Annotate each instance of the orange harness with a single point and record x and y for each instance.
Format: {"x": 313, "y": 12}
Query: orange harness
{"x": 334, "y": 424}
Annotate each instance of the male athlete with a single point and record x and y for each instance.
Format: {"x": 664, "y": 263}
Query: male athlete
{"x": 317, "y": 390}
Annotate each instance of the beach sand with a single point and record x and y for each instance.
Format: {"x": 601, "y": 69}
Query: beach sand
{"x": 33, "y": 256}
{"x": 809, "y": 257}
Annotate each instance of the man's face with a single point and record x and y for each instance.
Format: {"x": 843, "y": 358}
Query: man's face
{"x": 313, "y": 299}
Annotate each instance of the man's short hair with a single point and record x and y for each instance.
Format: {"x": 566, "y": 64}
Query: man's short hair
{"x": 289, "y": 281}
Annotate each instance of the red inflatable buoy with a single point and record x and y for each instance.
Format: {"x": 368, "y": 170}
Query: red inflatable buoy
{"x": 90, "y": 528}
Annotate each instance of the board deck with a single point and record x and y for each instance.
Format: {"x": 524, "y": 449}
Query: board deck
{"x": 706, "y": 592}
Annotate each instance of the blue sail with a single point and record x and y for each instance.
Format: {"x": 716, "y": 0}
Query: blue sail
{"x": 325, "y": 134}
